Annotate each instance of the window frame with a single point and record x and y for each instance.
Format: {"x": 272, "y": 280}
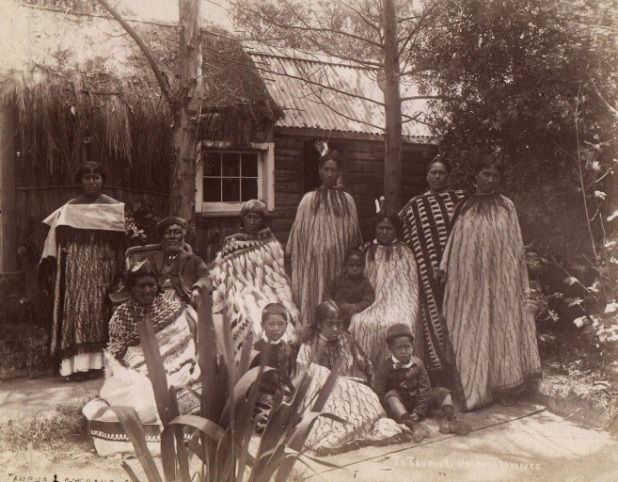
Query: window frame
{"x": 266, "y": 178}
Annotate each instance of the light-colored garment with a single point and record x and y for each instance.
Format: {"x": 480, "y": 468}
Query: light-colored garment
{"x": 324, "y": 230}
{"x": 82, "y": 362}
{"x": 426, "y": 221}
{"x": 392, "y": 272}
{"x": 248, "y": 274}
{"x": 357, "y": 404}
{"x": 101, "y": 217}
{"x": 491, "y": 329}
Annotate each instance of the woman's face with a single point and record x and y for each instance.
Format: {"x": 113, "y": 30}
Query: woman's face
{"x": 252, "y": 222}
{"x": 330, "y": 327}
{"x": 173, "y": 238}
{"x": 437, "y": 177}
{"x": 329, "y": 172}
{"x": 92, "y": 183}
{"x": 487, "y": 180}
{"x": 144, "y": 290}
{"x": 385, "y": 232}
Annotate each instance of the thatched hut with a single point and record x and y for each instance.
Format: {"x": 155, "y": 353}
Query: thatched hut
{"x": 76, "y": 86}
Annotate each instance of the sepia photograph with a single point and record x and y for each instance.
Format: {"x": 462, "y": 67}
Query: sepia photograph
{"x": 308, "y": 240}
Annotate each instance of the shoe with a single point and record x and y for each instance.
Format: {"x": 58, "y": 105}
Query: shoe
{"x": 455, "y": 426}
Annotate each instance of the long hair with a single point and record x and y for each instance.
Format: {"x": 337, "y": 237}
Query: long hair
{"x": 322, "y": 312}
{"x": 392, "y": 216}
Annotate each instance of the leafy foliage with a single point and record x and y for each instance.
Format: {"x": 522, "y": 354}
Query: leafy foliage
{"x": 219, "y": 439}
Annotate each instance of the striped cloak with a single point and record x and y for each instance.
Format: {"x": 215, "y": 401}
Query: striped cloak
{"x": 491, "y": 328}
{"x": 325, "y": 228}
{"x": 426, "y": 220}
{"x": 248, "y": 274}
{"x": 392, "y": 272}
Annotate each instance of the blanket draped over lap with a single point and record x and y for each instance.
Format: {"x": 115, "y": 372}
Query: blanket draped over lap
{"x": 426, "y": 220}
{"x": 248, "y": 274}
{"x": 491, "y": 328}
{"x": 170, "y": 323}
{"x": 86, "y": 240}
{"x": 391, "y": 270}
{"x": 354, "y": 402}
{"x": 324, "y": 230}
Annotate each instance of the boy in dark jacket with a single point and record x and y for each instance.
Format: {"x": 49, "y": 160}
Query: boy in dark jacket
{"x": 275, "y": 352}
{"x": 352, "y": 292}
{"x": 404, "y": 389}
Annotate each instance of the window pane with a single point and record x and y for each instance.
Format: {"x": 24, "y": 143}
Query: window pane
{"x": 231, "y": 190}
{"x": 212, "y": 164}
{"x": 212, "y": 190}
{"x": 249, "y": 165}
{"x": 231, "y": 164}
{"x": 249, "y": 189}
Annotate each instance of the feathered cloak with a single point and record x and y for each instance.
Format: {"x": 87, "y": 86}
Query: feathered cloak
{"x": 248, "y": 274}
{"x": 491, "y": 328}
{"x": 325, "y": 228}
{"x": 392, "y": 272}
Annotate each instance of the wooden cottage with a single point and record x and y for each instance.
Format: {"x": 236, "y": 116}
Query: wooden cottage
{"x": 74, "y": 86}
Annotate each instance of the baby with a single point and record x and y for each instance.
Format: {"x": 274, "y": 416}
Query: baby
{"x": 275, "y": 352}
{"x": 351, "y": 291}
{"x": 403, "y": 387}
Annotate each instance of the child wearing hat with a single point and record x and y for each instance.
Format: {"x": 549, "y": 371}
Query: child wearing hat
{"x": 403, "y": 386}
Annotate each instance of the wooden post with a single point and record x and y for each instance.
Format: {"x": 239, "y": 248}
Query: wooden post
{"x": 392, "y": 108}
{"x": 187, "y": 118}
{"x": 8, "y": 220}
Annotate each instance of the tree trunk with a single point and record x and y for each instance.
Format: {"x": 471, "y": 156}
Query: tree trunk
{"x": 187, "y": 116}
{"x": 392, "y": 108}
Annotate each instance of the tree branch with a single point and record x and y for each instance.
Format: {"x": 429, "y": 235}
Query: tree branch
{"x": 161, "y": 77}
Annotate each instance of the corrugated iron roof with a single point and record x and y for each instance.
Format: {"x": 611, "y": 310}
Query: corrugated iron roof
{"x": 296, "y": 82}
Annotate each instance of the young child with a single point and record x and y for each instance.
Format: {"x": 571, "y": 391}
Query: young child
{"x": 403, "y": 387}
{"x": 275, "y": 352}
{"x": 328, "y": 340}
{"x": 351, "y": 291}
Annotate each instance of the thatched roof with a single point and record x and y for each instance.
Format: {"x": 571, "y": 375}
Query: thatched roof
{"x": 81, "y": 86}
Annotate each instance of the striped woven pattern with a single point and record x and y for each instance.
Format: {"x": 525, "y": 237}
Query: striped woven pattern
{"x": 491, "y": 328}
{"x": 391, "y": 270}
{"x": 426, "y": 222}
{"x": 325, "y": 228}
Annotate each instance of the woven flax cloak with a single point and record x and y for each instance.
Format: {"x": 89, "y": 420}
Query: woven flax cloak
{"x": 392, "y": 272}
{"x": 325, "y": 228}
{"x": 248, "y": 274}
{"x": 490, "y": 326}
{"x": 426, "y": 220}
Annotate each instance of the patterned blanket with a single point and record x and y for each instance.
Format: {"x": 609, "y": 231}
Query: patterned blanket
{"x": 248, "y": 274}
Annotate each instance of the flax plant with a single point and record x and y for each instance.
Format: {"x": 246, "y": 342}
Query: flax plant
{"x": 215, "y": 445}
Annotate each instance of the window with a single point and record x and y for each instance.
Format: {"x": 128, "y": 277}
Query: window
{"x": 229, "y": 177}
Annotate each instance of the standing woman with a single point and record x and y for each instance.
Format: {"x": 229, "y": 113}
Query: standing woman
{"x": 391, "y": 270}
{"x": 86, "y": 238}
{"x": 491, "y": 328}
{"x": 325, "y": 228}
{"x": 426, "y": 220}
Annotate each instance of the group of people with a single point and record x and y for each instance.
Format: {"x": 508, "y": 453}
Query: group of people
{"x": 437, "y": 299}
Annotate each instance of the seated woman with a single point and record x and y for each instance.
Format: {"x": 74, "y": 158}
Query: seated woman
{"x": 126, "y": 381}
{"x": 391, "y": 269}
{"x": 351, "y": 399}
{"x": 248, "y": 274}
{"x": 180, "y": 273}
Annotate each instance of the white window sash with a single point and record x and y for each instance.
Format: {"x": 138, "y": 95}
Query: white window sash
{"x": 266, "y": 179}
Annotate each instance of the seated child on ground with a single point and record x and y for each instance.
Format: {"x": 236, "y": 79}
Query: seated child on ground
{"x": 327, "y": 341}
{"x": 275, "y": 352}
{"x": 352, "y": 292}
{"x": 404, "y": 389}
